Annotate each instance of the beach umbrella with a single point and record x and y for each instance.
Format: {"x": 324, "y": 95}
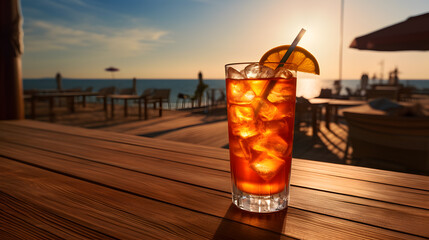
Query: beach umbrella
{"x": 112, "y": 70}
{"x": 411, "y": 34}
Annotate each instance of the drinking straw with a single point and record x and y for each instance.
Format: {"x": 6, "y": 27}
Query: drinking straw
{"x": 292, "y": 47}
{"x": 271, "y": 84}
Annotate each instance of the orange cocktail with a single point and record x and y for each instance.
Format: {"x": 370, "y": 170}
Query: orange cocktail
{"x": 260, "y": 127}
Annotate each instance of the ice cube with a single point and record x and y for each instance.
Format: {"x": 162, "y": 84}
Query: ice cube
{"x": 258, "y": 71}
{"x": 267, "y": 111}
{"x": 267, "y": 166}
{"x": 279, "y": 127}
{"x": 239, "y": 92}
{"x": 240, "y": 114}
{"x": 282, "y": 92}
{"x": 272, "y": 144}
{"x": 241, "y": 148}
{"x": 234, "y": 74}
{"x": 285, "y": 109}
{"x": 252, "y": 70}
{"x": 257, "y": 86}
{"x": 283, "y": 73}
{"x": 235, "y": 148}
{"x": 266, "y": 72}
{"x": 245, "y": 129}
{"x": 245, "y": 148}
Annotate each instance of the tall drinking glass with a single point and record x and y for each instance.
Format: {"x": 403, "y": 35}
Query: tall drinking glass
{"x": 261, "y": 113}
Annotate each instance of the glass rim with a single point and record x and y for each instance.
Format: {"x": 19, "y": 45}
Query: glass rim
{"x": 295, "y": 67}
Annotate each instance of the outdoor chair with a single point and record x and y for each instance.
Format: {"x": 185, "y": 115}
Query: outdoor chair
{"x": 209, "y": 99}
{"x": 182, "y": 97}
{"x": 149, "y": 95}
{"x": 106, "y": 91}
{"x": 222, "y": 98}
{"x": 147, "y": 92}
{"x": 302, "y": 112}
{"x": 127, "y": 91}
{"x": 391, "y": 94}
{"x": 159, "y": 96}
{"x": 103, "y": 93}
{"x": 405, "y": 93}
{"x": 78, "y": 89}
{"x": 394, "y": 140}
{"x": 349, "y": 92}
{"x": 87, "y": 90}
{"x": 325, "y": 93}
{"x": 206, "y": 96}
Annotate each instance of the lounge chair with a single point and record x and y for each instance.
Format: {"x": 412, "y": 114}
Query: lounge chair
{"x": 398, "y": 140}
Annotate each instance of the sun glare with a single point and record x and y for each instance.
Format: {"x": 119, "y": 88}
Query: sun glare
{"x": 307, "y": 87}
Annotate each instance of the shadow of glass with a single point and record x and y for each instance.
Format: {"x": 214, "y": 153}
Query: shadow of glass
{"x": 239, "y": 224}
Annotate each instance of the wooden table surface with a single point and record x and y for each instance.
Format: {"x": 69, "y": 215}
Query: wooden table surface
{"x": 66, "y": 94}
{"x": 65, "y": 182}
{"x": 51, "y": 95}
{"x": 331, "y": 105}
{"x": 140, "y": 98}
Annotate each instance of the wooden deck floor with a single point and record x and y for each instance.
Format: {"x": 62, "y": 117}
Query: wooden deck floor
{"x": 198, "y": 127}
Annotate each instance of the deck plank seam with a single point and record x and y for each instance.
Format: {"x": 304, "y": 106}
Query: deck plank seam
{"x": 366, "y": 198}
{"x": 388, "y": 184}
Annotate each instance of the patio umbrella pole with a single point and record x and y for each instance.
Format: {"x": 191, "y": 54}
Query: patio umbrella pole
{"x": 11, "y": 97}
{"x": 341, "y": 41}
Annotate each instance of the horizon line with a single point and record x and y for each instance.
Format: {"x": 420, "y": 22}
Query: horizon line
{"x": 53, "y": 78}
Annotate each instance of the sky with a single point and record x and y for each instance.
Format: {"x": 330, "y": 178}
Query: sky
{"x": 179, "y": 38}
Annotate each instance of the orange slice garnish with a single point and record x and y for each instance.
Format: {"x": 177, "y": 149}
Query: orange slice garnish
{"x": 303, "y": 59}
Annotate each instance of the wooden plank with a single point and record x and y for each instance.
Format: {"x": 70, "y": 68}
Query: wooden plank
{"x": 370, "y": 190}
{"x": 213, "y": 134}
{"x": 63, "y": 207}
{"x": 14, "y": 227}
{"x": 24, "y": 220}
{"x": 101, "y": 148}
{"x": 367, "y": 174}
{"x": 309, "y": 179}
{"x": 134, "y": 140}
{"x": 324, "y": 203}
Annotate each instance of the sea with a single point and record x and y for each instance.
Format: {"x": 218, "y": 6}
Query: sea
{"x": 306, "y": 87}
